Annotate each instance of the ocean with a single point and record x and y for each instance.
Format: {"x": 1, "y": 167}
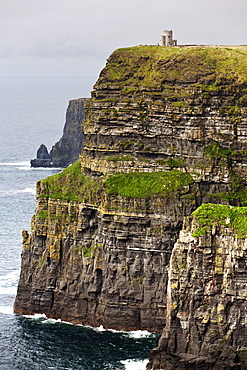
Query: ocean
{"x": 32, "y": 112}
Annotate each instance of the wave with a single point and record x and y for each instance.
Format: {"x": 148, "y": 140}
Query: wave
{"x": 47, "y": 168}
{"x": 132, "y": 334}
{"x": 6, "y": 310}
{"x": 22, "y": 163}
{"x": 8, "y": 283}
{"x": 139, "y": 334}
{"x": 26, "y": 190}
{"x": 25, "y": 165}
{"x": 136, "y": 334}
{"x": 134, "y": 365}
{"x": 37, "y": 316}
{"x": 19, "y": 191}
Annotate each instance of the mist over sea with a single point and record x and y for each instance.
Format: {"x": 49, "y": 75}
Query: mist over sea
{"x": 32, "y": 112}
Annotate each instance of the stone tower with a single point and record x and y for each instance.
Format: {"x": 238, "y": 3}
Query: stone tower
{"x": 166, "y": 39}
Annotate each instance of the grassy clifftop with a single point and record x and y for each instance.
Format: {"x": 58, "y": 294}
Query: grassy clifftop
{"x": 154, "y": 66}
{"x": 152, "y": 105}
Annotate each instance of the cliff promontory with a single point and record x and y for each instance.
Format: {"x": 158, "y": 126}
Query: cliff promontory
{"x": 206, "y": 294}
{"x": 165, "y": 132}
{"x": 69, "y": 147}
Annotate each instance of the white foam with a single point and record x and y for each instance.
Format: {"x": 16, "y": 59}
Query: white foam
{"x": 53, "y": 321}
{"x": 22, "y": 163}
{"x": 43, "y": 318}
{"x": 139, "y": 334}
{"x": 46, "y": 168}
{"x": 132, "y": 334}
{"x": 36, "y": 316}
{"x": 27, "y": 190}
{"x": 6, "y": 310}
{"x": 99, "y": 329}
{"x": 135, "y": 365}
{"x": 8, "y": 283}
{"x": 19, "y": 191}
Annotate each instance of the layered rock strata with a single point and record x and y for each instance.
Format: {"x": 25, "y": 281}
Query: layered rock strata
{"x": 164, "y": 132}
{"x": 206, "y": 294}
{"x": 69, "y": 147}
{"x": 102, "y": 262}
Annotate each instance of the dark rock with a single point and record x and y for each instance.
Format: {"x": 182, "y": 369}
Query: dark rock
{"x": 42, "y": 152}
{"x": 103, "y": 257}
{"x": 43, "y": 158}
{"x": 69, "y": 147}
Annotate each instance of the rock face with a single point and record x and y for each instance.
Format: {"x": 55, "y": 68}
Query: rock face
{"x": 164, "y": 132}
{"x": 69, "y": 147}
{"x": 206, "y": 295}
{"x": 102, "y": 256}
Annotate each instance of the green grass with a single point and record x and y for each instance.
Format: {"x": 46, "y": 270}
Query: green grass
{"x": 215, "y": 150}
{"x": 179, "y": 104}
{"x": 208, "y": 215}
{"x": 154, "y": 66}
{"x": 171, "y": 162}
{"x": 72, "y": 185}
{"x": 122, "y": 157}
{"x": 240, "y": 195}
{"x": 223, "y": 156}
{"x": 146, "y": 184}
{"x": 43, "y": 214}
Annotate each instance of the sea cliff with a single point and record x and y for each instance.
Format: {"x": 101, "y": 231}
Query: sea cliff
{"x": 68, "y": 148}
{"x": 206, "y": 295}
{"x": 165, "y": 131}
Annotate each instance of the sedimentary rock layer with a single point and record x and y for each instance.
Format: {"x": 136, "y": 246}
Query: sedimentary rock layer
{"x": 165, "y": 131}
{"x": 206, "y": 294}
{"x": 102, "y": 262}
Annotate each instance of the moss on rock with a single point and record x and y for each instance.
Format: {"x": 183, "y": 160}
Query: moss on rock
{"x": 208, "y": 215}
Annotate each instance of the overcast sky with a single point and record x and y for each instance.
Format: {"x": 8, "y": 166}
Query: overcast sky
{"x": 75, "y": 37}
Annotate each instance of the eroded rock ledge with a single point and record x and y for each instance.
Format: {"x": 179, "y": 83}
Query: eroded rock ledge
{"x": 165, "y": 131}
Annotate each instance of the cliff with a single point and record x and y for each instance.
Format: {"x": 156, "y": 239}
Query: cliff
{"x": 206, "y": 297}
{"x": 164, "y": 132}
{"x": 69, "y": 147}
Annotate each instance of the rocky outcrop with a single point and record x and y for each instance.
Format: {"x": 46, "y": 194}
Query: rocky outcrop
{"x": 206, "y": 295}
{"x": 43, "y": 158}
{"x": 164, "y": 132}
{"x": 69, "y": 147}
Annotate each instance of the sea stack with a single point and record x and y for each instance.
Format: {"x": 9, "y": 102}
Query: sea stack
{"x": 69, "y": 147}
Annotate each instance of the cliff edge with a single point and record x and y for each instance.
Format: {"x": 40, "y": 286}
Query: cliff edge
{"x": 165, "y": 131}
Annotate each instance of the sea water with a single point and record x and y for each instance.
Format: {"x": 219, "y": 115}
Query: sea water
{"x": 32, "y": 111}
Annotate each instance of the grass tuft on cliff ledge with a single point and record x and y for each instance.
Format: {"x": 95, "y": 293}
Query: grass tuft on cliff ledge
{"x": 72, "y": 185}
{"x": 145, "y": 184}
{"x": 209, "y": 215}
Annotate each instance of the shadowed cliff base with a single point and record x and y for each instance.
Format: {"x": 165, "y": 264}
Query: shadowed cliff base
{"x": 164, "y": 132}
